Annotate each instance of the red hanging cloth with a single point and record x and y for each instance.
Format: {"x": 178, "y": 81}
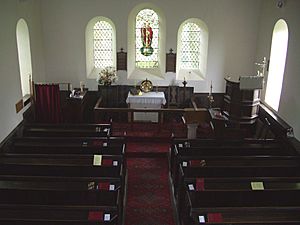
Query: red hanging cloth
{"x": 47, "y": 104}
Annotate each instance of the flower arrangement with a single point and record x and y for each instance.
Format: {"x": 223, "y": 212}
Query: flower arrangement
{"x": 107, "y": 76}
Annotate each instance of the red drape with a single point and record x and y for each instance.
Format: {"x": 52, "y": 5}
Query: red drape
{"x": 47, "y": 105}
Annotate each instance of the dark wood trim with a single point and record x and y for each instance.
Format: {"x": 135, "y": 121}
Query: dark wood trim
{"x": 171, "y": 61}
{"x": 276, "y": 123}
{"x": 7, "y": 141}
{"x": 121, "y": 60}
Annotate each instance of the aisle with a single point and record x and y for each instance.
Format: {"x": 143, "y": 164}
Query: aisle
{"x": 148, "y": 190}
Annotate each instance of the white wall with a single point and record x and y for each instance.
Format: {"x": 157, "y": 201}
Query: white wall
{"x": 10, "y": 86}
{"x": 232, "y": 25}
{"x": 57, "y": 29}
{"x": 289, "y": 107}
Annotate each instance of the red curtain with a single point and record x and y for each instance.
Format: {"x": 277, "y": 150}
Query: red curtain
{"x": 47, "y": 105}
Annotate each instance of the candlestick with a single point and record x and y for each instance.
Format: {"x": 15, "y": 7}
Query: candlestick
{"x": 81, "y": 86}
{"x": 210, "y": 96}
{"x": 184, "y": 82}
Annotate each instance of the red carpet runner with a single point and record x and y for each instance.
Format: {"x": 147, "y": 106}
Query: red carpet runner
{"x": 148, "y": 190}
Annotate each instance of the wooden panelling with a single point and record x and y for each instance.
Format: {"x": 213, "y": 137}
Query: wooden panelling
{"x": 241, "y": 106}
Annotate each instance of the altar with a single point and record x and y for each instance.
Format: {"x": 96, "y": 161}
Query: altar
{"x": 149, "y": 100}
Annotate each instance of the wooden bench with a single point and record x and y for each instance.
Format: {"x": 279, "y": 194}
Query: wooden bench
{"x": 215, "y": 162}
{"x": 244, "y": 216}
{"x": 69, "y": 183}
{"x": 212, "y": 147}
{"x": 234, "y": 184}
{"x": 37, "y": 145}
{"x": 60, "y": 159}
{"x": 183, "y": 142}
{"x": 67, "y": 130}
{"x": 178, "y": 152}
{"x": 59, "y": 172}
{"x": 45, "y": 183}
{"x": 198, "y": 201}
{"x": 58, "y": 216}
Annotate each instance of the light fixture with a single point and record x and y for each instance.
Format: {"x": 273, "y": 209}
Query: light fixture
{"x": 280, "y": 4}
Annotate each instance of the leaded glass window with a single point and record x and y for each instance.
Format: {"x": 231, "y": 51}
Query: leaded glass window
{"x": 279, "y": 46}
{"x": 190, "y": 46}
{"x": 103, "y": 44}
{"x": 147, "y": 39}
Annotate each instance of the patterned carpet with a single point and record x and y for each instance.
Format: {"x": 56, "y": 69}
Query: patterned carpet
{"x": 148, "y": 191}
{"x": 149, "y": 130}
{"x": 147, "y": 147}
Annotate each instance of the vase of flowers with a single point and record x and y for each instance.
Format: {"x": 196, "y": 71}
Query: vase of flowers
{"x": 107, "y": 76}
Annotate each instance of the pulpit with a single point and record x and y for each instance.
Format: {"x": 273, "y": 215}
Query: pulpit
{"x": 241, "y": 101}
{"x": 75, "y": 108}
{"x": 149, "y": 100}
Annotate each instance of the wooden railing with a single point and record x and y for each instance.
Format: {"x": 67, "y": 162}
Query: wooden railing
{"x": 189, "y": 114}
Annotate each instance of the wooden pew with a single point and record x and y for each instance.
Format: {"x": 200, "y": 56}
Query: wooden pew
{"x": 67, "y": 130}
{"x": 37, "y": 145}
{"x": 183, "y": 142}
{"x": 27, "y": 186}
{"x": 51, "y": 172}
{"x": 242, "y": 183}
{"x": 233, "y": 172}
{"x": 234, "y": 184}
{"x": 230, "y": 167}
{"x": 36, "y": 187}
{"x": 224, "y": 147}
{"x": 214, "y": 162}
{"x": 184, "y": 147}
{"x": 59, "y": 198}
{"x": 221, "y": 172}
{"x": 178, "y": 152}
{"x": 204, "y": 200}
{"x": 61, "y": 160}
{"x": 244, "y": 216}
{"x": 50, "y": 176}
{"x": 58, "y": 216}
{"x": 35, "y": 183}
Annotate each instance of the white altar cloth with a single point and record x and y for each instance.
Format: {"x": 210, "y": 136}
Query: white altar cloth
{"x": 151, "y": 100}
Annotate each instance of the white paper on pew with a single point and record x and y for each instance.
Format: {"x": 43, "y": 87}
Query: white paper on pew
{"x": 111, "y": 187}
{"x": 91, "y": 185}
{"x": 257, "y": 186}
{"x": 187, "y": 144}
{"x": 184, "y": 164}
{"x": 106, "y": 217}
{"x": 104, "y": 144}
{"x": 97, "y": 160}
{"x": 191, "y": 187}
{"x": 115, "y": 163}
{"x": 105, "y": 130}
{"x": 180, "y": 145}
{"x": 201, "y": 219}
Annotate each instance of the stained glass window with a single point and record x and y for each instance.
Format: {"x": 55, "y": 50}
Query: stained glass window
{"x": 103, "y": 44}
{"x": 190, "y": 46}
{"x": 147, "y": 39}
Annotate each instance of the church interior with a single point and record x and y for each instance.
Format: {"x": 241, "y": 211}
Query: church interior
{"x": 149, "y": 112}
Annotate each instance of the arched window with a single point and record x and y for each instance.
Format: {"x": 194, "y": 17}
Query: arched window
{"x": 100, "y": 45}
{"x": 24, "y": 55}
{"x": 192, "y": 44}
{"x": 146, "y": 41}
{"x": 277, "y": 64}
